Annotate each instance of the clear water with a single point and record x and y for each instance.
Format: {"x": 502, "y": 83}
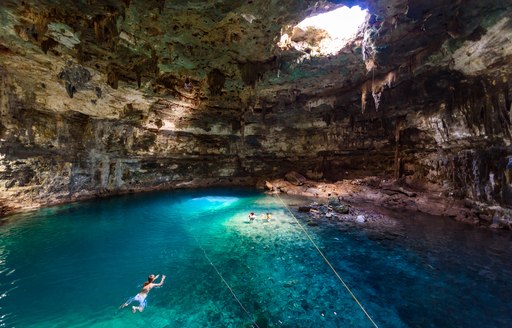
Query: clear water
{"x": 72, "y": 266}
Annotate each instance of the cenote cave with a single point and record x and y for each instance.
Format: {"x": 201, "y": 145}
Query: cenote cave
{"x": 255, "y": 163}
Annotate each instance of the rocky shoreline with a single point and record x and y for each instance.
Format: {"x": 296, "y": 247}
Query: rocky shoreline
{"x": 350, "y": 200}
{"x": 17, "y": 201}
{"x": 345, "y": 200}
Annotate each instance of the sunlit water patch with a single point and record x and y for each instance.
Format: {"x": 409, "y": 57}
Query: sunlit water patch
{"x": 72, "y": 266}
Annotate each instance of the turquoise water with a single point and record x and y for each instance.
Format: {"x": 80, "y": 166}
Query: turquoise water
{"x": 72, "y": 266}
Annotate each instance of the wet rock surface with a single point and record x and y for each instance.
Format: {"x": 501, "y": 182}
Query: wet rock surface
{"x": 366, "y": 201}
{"x": 322, "y": 214}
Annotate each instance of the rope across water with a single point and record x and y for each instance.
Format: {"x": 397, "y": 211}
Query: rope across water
{"x": 319, "y": 251}
{"x": 227, "y": 285}
{"x": 329, "y": 263}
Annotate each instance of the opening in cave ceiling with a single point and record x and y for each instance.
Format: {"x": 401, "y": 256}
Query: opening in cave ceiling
{"x": 324, "y": 34}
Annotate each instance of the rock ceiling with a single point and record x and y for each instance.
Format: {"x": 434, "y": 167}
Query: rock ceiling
{"x": 217, "y": 52}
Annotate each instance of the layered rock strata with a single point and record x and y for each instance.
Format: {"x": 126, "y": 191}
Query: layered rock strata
{"x": 103, "y": 97}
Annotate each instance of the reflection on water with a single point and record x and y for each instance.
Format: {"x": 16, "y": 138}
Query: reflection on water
{"x": 73, "y": 266}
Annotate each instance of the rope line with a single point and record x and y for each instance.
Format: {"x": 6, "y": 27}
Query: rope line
{"x": 329, "y": 263}
{"x": 227, "y": 285}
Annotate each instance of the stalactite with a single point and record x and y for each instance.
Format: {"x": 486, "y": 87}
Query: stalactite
{"x": 138, "y": 75}
{"x": 105, "y": 28}
{"x": 112, "y": 77}
{"x": 48, "y": 44}
{"x": 376, "y": 87}
{"x": 398, "y": 159}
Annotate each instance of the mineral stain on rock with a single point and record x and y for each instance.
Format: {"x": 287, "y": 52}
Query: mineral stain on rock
{"x": 75, "y": 77}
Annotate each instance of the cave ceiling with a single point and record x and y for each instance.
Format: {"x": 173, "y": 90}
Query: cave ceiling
{"x": 97, "y": 56}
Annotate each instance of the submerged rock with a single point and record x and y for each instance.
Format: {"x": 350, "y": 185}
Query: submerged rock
{"x": 342, "y": 209}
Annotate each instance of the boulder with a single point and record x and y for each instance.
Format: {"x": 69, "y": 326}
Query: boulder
{"x": 312, "y": 192}
{"x": 295, "y": 178}
{"x": 342, "y": 209}
{"x": 334, "y": 201}
{"x": 304, "y": 208}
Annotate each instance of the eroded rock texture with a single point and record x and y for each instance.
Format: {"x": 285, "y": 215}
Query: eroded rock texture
{"x": 101, "y": 97}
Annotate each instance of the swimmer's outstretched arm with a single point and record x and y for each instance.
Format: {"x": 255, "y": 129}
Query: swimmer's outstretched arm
{"x": 161, "y": 281}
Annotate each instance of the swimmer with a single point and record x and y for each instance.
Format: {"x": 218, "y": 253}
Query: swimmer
{"x": 268, "y": 216}
{"x": 252, "y": 216}
{"x": 141, "y": 296}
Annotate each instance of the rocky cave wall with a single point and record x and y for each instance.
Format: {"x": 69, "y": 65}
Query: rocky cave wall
{"x": 415, "y": 97}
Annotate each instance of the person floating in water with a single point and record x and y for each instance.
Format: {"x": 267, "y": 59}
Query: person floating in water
{"x": 141, "y": 296}
{"x": 268, "y": 216}
{"x": 252, "y": 216}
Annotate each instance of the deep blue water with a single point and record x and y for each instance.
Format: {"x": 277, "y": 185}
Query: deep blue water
{"x": 72, "y": 266}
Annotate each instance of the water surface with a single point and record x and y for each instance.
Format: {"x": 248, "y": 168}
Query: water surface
{"x": 72, "y": 266}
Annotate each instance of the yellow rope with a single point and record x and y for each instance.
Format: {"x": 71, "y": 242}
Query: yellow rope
{"x": 329, "y": 263}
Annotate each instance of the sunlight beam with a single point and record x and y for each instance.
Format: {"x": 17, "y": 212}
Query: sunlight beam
{"x": 324, "y": 34}
{"x": 341, "y": 23}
